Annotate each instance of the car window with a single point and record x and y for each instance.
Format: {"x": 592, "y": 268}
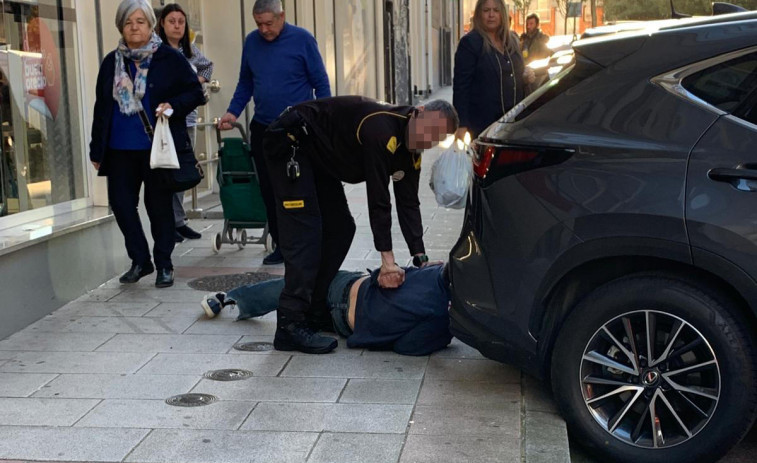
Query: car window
{"x": 726, "y": 85}
{"x": 566, "y": 79}
{"x": 751, "y": 114}
{"x": 570, "y": 76}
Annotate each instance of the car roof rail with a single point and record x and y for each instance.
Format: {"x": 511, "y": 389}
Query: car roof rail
{"x": 710, "y": 20}
{"x": 725, "y": 8}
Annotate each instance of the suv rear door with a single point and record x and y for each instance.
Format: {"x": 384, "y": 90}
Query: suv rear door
{"x": 721, "y": 197}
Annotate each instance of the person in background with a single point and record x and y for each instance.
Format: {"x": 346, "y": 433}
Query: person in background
{"x": 281, "y": 66}
{"x": 311, "y": 149}
{"x": 173, "y": 29}
{"x": 490, "y": 76}
{"x": 534, "y": 41}
{"x": 141, "y": 74}
{"x": 513, "y": 34}
{"x": 410, "y": 320}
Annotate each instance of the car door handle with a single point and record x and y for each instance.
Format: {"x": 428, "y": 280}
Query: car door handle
{"x": 723, "y": 174}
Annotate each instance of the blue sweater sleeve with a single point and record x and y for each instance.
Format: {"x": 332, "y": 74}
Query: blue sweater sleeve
{"x": 245, "y": 84}
{"x": 317, "y": 75}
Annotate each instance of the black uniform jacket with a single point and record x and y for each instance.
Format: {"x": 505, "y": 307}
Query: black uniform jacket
{"x": 358, "y": 139}
{"x": 171, "y": 80}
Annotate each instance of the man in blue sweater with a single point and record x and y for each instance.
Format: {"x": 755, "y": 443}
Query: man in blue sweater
{"x": 281, "y": 66}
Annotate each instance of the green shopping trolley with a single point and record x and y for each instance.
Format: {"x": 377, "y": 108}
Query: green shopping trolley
{"x": 242, "y": 202}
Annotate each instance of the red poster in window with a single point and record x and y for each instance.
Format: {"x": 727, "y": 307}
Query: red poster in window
{"x": 42, "y": 77}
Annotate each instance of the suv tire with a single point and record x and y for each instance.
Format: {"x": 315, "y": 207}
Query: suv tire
{"x": 608, "y": 389}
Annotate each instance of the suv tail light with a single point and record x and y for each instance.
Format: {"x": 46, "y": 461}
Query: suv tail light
{"x": 482, "y": 160}
{"x": 491, "y": 162}
{"x": 488, "y": 155}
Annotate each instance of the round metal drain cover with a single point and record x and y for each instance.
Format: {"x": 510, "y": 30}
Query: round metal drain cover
{"x": 254, "y": 346}
{"x": 228, "y": 375}
{"x": 191, "y": 400}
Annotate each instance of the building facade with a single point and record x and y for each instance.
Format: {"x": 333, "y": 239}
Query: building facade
{"x": 57, "y": 236}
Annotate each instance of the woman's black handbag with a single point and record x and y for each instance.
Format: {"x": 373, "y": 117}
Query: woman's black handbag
{"x": 187, "y": 176}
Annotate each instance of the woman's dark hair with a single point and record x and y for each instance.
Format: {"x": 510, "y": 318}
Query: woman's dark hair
{"x": 186, "y": 47}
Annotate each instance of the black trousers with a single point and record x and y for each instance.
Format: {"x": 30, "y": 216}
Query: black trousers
{"x": 316, "y": 228}
{"x": 257, "y": 131}
{"x": 128, "y": 171}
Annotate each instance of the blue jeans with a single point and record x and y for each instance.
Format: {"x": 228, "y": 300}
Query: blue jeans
{"x": 258, "y": 299}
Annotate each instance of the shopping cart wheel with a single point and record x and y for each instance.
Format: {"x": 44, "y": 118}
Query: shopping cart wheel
{"x": 216, "y": 243}
{"x": 242, "y": 239}
{"x": 270, "y": 246}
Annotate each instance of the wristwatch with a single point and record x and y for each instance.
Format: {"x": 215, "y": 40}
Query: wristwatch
{"x": 420, "y": 260}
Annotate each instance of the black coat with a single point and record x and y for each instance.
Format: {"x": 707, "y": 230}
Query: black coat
{"x": 170, "y": 80}
{"x": 485, "y": 86}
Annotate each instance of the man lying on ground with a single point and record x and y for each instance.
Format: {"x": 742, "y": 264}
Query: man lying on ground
{"x": 410, "y": 320}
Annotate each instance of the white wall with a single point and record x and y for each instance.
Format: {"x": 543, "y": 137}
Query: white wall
{"x": 89, "y": 65}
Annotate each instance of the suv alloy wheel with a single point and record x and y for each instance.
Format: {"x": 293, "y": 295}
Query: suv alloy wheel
{"x": 654, "y": 368}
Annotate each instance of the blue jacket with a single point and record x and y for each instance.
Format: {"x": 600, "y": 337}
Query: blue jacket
{"x": 410, "y": 320}
{"x": 170, "y": 80}
{"x": 486, "y": 84}
{"x": 279, "y": 74}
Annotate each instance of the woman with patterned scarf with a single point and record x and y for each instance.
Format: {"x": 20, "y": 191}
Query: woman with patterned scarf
{"x": 137, "y": 82}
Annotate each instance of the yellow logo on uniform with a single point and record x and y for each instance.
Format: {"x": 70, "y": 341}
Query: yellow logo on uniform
{"x": 417, "y": 162}
{"x": 392, "y": 145}
{"x": 294, "y": 204}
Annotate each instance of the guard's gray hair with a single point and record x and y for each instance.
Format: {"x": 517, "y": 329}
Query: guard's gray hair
{"x": 267, "y": 6}
{"x": 128, "y": 7}
{"x": 447, "y": 110}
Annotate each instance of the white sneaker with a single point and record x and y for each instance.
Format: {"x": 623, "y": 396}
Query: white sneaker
{"x": 212, "y": 303}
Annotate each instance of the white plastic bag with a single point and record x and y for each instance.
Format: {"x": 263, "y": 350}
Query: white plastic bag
{"x": 163, "y": 154}
{"x": 451, "y": 176}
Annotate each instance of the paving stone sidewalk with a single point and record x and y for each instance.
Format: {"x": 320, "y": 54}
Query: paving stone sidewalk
{"x": 88, "y": 382}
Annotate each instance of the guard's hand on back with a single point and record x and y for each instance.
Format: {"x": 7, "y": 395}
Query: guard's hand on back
{"x": 391, "y": 276}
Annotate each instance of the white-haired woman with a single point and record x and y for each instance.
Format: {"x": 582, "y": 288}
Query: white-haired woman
{"x": 490, "y": 76}
{"x": 140, "y": 75}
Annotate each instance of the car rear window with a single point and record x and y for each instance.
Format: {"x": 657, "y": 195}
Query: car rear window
{"x": 570, "y": 76}
{"x": 727, "y": 85}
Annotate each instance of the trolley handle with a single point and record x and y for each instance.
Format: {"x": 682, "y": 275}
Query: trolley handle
{"x": 235, "y": 125}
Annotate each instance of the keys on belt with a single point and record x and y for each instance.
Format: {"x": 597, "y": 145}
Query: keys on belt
{"x": 293, "y": 167}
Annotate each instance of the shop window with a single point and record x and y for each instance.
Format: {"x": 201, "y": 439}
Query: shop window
{"x": 42, "y": 155}
{"x": 324, "y": 35}
{"x": 356, "y": 47}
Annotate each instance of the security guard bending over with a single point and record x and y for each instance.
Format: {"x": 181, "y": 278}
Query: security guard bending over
{"x": 311, "y": 149}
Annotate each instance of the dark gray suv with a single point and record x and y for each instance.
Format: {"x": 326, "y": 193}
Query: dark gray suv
{"x": 610, "y": 241}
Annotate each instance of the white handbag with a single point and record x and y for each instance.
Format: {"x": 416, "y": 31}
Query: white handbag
{"x": 163, "y": 154}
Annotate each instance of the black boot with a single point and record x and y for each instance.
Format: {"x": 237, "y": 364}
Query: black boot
{"x": 136, "y": 272}
{"x": 164, "y": 278}
{"x": 321, "y": 321}
{"x": 300, "y": 337}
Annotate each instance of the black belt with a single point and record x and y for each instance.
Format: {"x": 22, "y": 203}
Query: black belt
{"x": 292, "y": 123}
